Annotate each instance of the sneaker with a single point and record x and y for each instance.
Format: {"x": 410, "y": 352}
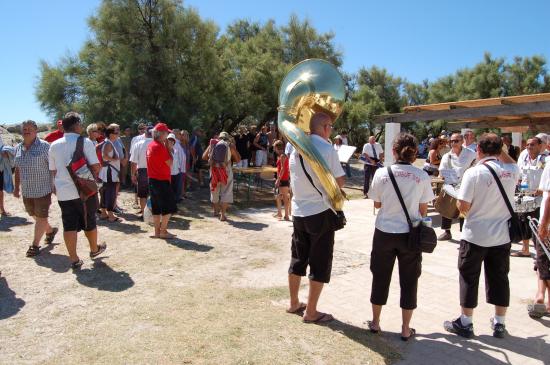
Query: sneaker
{"x": 445, "y": 236}
{"x": 499, "y": 329}
{"x": 457, "y": 327}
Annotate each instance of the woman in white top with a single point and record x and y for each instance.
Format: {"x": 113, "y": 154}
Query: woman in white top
{"x": 390, "y": 239}
{"x": 176, "y": 171}
{"x": 109, "y": 175}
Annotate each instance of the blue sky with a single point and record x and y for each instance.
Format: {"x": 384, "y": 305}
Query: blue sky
{"x": 413, "y": 39}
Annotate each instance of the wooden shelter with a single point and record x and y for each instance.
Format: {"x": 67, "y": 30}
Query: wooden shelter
{"x": 514, "y": 114}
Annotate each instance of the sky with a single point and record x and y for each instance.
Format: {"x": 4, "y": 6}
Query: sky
{"x": 416, "y": 40}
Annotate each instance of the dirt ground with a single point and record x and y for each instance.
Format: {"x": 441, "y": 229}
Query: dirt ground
{"x": 213, "y": 295}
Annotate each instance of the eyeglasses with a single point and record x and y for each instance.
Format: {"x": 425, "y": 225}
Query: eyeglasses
{"x": 455, "y": 141}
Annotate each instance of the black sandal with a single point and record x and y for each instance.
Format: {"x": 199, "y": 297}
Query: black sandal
{"x": 77, "y": 264}
{"x": 372, "y": 327}
{"x": 33, "y": 251}
{"x": 100, "y": 249}
{"x": 412, "y": 332}
{"x": 50, "y": 236}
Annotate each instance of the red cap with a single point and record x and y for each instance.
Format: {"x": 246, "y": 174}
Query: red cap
{"x": 59, "y": 123}
{"x": 162, "y": 127}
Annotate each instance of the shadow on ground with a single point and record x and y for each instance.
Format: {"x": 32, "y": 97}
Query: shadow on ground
{"x": 189, "y": 245}
{"x": 10, "y": 305}
{"x": 55, "y": 262}
{"x": 7, "y": 223}
{"x": 123, "y": 227}
{"x": 480, "y": 348}
{"x": 102, "y": 277}
{"x": 249, "y": 226}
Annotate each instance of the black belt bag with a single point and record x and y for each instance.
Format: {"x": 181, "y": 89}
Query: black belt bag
{"x": 338, "y": 219}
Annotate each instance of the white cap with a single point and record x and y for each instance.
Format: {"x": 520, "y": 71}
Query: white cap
{"x": 543, "y": 137}
{"x": 172, "y": 135}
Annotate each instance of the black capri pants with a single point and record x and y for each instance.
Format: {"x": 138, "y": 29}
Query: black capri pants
{"x": 386, "y": 247}
{"x": 108, "y": 196}
{"x": 163, "y": 201}
{"x": 496, "y": 264}
{"x": 313, "y": 245}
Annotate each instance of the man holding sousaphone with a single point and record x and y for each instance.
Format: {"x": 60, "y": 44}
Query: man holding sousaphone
{"x": 453, "y": 165}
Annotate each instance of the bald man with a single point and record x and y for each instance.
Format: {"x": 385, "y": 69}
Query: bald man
{"x": 313, "y": 235}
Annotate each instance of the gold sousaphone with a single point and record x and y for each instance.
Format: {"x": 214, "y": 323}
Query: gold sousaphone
{"x": 312, "y": 86}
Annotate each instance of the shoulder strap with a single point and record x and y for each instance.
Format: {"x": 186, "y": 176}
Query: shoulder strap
{"x": 394, "y": 183}
{"x": 308, "y": 175}
{"x": 501, "y": 188}
{"x": 79, "y": 150}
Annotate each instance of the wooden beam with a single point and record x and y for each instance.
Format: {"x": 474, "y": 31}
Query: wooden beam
{"x": 541, "y": 125}
{"x": 465, "y": 113}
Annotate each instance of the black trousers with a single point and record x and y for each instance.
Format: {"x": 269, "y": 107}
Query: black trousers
{"x": 496, "y": 265}
{"x": 108, "y": 196}
{"x": 386, "y": 247}
{"x": 447, "y": 222}
{"x": 313, "y": 245}
{"x": 369, "y": 174}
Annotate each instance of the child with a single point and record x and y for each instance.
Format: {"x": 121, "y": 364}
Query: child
{"x": 283, "y": 181}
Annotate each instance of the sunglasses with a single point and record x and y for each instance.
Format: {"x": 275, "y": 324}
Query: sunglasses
{"x": 455, "y": 141}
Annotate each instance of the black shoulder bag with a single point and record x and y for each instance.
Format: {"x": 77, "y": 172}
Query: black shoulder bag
{"x": 420, "y": 238}
{"x": 338, "y": 219}
{"x": 514, "y": 225}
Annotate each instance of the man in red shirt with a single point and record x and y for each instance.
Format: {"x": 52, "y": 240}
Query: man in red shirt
{"x": 55, "y": 135}
{"x": 159, "y": 163}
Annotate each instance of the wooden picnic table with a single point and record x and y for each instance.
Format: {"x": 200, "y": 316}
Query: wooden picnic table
{"x": 250, "y": 175}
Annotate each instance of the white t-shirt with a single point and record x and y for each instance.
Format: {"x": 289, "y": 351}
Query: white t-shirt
{"x": 486, "y": 223}
{"x": 139, "y": 153}
{"x": 472, "y": 147}
{"x": 531, "y": 170}
{"x": 306, "y": 200}
{"x": 182, "y": 157}
{"x": 289, "y": 148}
{"x": 345, "y": 141}
{"x": 458, "y": 163}
{"x": 369, "y": 149}
{"x": 415, "y": 187}
{"x": 135, "y": 140}
{"x": 544, "y": 187}
{"x": 61, "y": 153}
{"x": 176, "y": 161}
{"x": 115, "y": 165}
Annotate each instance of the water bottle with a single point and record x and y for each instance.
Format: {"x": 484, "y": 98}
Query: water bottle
{"x": 523, "y": 186}
{"x": 427, "y": 221}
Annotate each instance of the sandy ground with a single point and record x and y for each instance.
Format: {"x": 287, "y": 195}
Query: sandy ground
{"x": 215, "y": 295}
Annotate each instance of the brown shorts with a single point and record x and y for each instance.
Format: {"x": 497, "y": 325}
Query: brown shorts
{"x": 38, "y": 207}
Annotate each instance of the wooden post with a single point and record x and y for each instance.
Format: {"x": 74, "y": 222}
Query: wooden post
{"x": 391, "y": 131}
{"x": 516, "y": 139}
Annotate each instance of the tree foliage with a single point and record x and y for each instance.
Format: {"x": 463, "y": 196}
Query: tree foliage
{"x": 159, "y": 60}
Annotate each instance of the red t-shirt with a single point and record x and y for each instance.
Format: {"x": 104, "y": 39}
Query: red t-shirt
{"x": 53, "y": 136}
{"x": 157, "y": 155}
{"x": 286, "y": 175}
{"x": 100, "y": 138}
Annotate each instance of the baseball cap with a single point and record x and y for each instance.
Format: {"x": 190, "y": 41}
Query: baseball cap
{"x": 172, "y": 136}
{"x": 162, "y": 127}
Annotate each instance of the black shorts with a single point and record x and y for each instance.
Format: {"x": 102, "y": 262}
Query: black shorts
{"x": 496, "y": 265}
{"x": 284, "y": 183}
{"x": 163, "y": 200}
{"x": 197, "y": 165}
{"x": 142, "y": 183}
{"x": 542, "y": 263}
{"x": 313, "y": 245}
{"x": 72, "y": 214}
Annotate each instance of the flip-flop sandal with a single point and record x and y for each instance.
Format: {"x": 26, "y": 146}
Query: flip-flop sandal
{"x": 520, "y": 254}
{"x": 77, "y": 264}
{"x": 301, "y": 308}
{"x": 33, "y": 251}
{"x": 100, "y": 249}
{"x": 323, "y": 318}
{"x": 167, "y": 237}
{"x": 412, "y": 332}
{"x": 536, "y": 310}
{"x": 50, "y": 236}
{"x": 116, "y": 220}
{"x": 372, "y": 328}
{"x": 286, "y": 219}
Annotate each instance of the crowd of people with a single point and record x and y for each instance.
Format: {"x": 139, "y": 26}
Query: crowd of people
{"x": 160, "y": 165}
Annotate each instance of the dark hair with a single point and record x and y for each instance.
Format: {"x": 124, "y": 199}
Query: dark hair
{"x": 435, "y": 144}
{"x": 490, "y": 144}
{"x": 537, "y": 139}
{"x": 70, "y": 120}
{"x": 109, "y": 130}
{"x": 406, "y": 147}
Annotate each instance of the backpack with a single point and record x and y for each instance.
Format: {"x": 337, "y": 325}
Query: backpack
{"x": 99, "y": 152}
{"x": 80, "y": 172}
{"x": 219, "y": 153}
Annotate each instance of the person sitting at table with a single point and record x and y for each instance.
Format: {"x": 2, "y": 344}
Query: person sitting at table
{"x": 220, "y": 156}
{"x": 458, "y": 159}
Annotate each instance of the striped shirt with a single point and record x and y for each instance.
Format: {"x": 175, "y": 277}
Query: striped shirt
{"x": 33, "y": 169}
